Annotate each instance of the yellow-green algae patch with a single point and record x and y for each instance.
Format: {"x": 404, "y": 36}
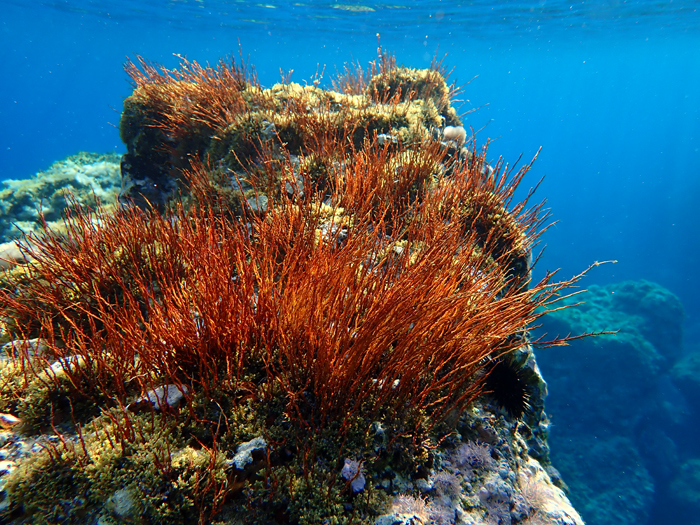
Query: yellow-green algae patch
{"x": 69, "y": 477}
{"x": 164, "y": 474}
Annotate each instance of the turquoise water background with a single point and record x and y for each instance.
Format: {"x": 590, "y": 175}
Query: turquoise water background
{"x": 609, "y": 90}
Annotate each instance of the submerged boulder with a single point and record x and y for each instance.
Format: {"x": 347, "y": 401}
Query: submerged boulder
{"x": 612, "y": 403}
{"x": 686, "y": 376}
{"x": 87, "y": 178}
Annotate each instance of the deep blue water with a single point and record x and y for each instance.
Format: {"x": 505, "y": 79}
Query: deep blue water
{"x": 609, "y": 90}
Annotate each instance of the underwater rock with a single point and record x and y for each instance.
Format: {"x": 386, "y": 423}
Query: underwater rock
{"x": 536, "y": 430}
{"x": 684, "y": 493}
{"x": 143, "y": 182}
{"x": 123, "y": 503}
{"x": 479, "y": 483}
{"x": 244, "y": 453}
{"x": 65, "y": 364}
{"x": 608, "y": 482}
{"x": 641, "y": 311}
{"x": 455, "y": 133}
{"x": 8, "y": 420}
{"x": 660, "y": 311}
{"x": 257, "y": 204}
{"x": 686, "y": 376}
{"x": 160, "y": 398}
{"x": 87, "y": 177}
{"x": 539, "y": 492}
{"x": 13, "y": 449}
{"x": 11, "y": 255}
{"x": 32, "y": 347}
{"x": 6, "y": 468}
{"x": 612, "y": 380}
{"x": 609, "y": 398}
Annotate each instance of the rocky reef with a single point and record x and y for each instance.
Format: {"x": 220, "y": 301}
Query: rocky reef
{"x": 87, "y": 177}
{"x": 311, "y": 307}
{"x": 621, "y": 405}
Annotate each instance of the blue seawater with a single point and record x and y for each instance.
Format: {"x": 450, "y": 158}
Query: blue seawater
{"x": 609, "y": 90}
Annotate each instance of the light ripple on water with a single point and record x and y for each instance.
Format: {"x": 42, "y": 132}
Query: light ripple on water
{"x": 479, "y": 18}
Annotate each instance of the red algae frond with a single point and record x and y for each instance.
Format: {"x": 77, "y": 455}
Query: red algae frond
{"x": 396, "y": 310}
{"x": 194, "y": 94}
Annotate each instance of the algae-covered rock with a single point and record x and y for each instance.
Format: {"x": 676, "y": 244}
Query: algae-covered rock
{"x": 608, "y": 483}
{"x": 684, "y": 494}
{"x": 330, "y": 328}
{"x": 613, "y": 379}
{"x": 86, "y": 177}
{"x": 686, "y": 376}
{"x": 613, "y": 407}
{"x": 232, "y": 135}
